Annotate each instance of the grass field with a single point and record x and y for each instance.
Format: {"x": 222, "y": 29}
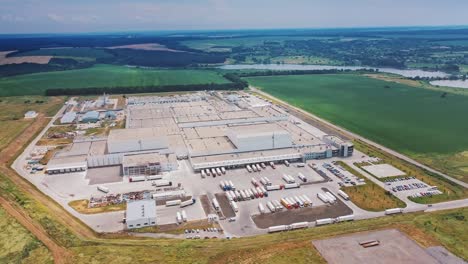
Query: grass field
{"x": 17, "y": 245}
{"x": 411, "y": 120}
{"x": 103, "y": 76}
{"x": 12, "y": 111}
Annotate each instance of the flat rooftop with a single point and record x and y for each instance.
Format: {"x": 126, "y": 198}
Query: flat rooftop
{"x": 137, "y": 210}
{"x": 144, "y": 159}
{"x": 394, "y": 247}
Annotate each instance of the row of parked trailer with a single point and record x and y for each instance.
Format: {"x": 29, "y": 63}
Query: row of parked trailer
{"x": 318, "y": 222}
{"x": 247, "y": 194}
{"x": 145, "y": 178}
{"x": 227, "y": 186}
{"x": 213, "y": 172}
{"x": 326, "y": 197}
{"x": 258, "y": 166}
{"x": 410, "y": 186}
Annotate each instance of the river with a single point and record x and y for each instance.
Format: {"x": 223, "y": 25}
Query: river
{"x": 287, "y": 67}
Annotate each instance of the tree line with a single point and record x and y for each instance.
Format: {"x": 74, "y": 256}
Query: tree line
{"x": 235, "y": 84}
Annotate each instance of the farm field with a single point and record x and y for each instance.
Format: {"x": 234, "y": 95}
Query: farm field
{"x": 411, "y": 120}
{"x": 104, "y": 76}
{"x": 18, "y": 245}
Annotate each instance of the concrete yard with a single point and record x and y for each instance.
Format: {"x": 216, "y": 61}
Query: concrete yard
{"x": 383, "y": 170}
{"x": 394, "y": 247}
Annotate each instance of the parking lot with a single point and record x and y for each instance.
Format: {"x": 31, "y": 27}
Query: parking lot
{"x": 410, "y": 187}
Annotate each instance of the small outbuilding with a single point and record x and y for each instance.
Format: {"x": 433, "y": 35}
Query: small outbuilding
{"x": 68, "y": 118}
{"x": 90, "y": 117}
{"x": 30, "y": 114}
{"x": 110, "y": 115}
{"x": 141, "y": 213}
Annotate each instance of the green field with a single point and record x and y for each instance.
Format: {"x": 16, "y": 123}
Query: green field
{"x": 412, "y": 120}
{"x": 104, "y": 76}
{"x": 68, "y": 52}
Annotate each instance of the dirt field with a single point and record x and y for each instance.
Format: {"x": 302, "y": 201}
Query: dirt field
{"x": 206, "y": 204}
{"x": 81, "y": 206}
{"x": 146, "y": 46}
{"x": 307, "y": 214}
{"x": 394, "y": 247}
{"x": 226, "y": 208}
{"x": 17, "y": 60}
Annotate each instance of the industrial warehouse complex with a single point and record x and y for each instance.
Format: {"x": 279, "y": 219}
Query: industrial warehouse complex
{"x": 210, "y": 130}
{"x": 230, "y": 160}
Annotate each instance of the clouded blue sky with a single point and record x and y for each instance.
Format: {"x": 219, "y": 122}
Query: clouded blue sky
{"x": 44, "y": 16}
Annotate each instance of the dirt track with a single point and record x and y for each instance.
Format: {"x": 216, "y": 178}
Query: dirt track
{"x": 59, "y": 253}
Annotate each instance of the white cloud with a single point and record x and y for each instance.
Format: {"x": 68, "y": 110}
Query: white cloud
{"x": 12, "y": 18}
{"x": 56, "y": 18}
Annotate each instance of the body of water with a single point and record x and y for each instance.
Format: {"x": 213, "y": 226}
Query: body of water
{"x": 297, "y": 67}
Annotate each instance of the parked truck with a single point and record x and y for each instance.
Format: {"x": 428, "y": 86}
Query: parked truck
{"x": 331, "y": 196}
{"x": 173, "y": 202}
{"x": 292, "y": 185}
{"x": 161, "y": 183}
{"x": 184, "y": 216}
{"x": 103, "y": 189}
{"x": 302, "y": 177}
{"x": 249, "y": 169}
{"x": 218, "y": 171}
{"x": 153, "y": 177}
{"x": 187, "y": 203}
{"x": 223, "y": 170}
{"x": 286, "y": 163}
{"x": 279, "y": 228}
{"x": 323, "y": 198}
{"x": 271, "y": 207}
{"x": 137, "y": 178}
{"x": 345, "y": 218}
{"x": 179, "y": 218}
{"x": 261, "y": 208}
{"x": 299, "y": 225}
{"x": 216, "y": 204}
{"x": 273, "y": 187}
{"x": 324, "y": 221}
{"x": 343, "y": 195}
{"x": 272, "y": 165}
{"x": 234, "y": 206}
{"x": 393, "y": 211}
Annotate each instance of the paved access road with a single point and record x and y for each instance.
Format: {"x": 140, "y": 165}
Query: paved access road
{"x": 353, "y": 135}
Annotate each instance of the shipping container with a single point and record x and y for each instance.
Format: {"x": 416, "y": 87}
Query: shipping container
{"x": 103, "y": 189}
{"x": 187, "y": 203}
{"x": 343, "y": 194}
{"x": 173, "y": 202}
{"x": 324, "y": 221}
